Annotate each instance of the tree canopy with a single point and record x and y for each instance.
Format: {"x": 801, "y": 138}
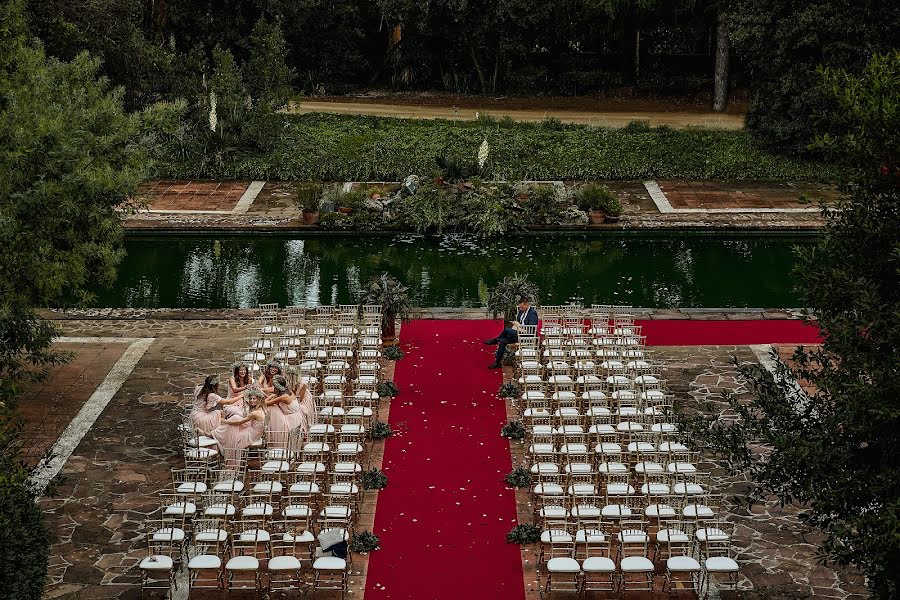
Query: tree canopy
{"x": 830, "y": 446}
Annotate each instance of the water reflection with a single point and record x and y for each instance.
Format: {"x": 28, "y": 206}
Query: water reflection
{"x": 454, "y": 270}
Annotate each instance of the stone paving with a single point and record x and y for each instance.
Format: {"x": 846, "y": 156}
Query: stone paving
{"x": 48, "y": 406}
{"x": 192, "y": 195}
{"x": 776, "y": 553}
{"x": 274, "y": 208}
{"x": 108, "y": 487}
{"x": 739, "y": 195}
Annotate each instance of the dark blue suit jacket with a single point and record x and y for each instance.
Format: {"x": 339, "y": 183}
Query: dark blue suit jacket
{"x": 531, "y": 316}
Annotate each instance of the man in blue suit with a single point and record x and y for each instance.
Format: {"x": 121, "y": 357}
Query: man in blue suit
{"x": 526, "y": 315}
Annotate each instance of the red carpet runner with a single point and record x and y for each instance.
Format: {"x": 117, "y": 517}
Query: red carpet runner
{"x": 444, "y": 516}
{"x": 728, "y": 333}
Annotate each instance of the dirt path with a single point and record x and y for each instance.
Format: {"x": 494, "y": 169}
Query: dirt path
{"x": 610, "y": 118}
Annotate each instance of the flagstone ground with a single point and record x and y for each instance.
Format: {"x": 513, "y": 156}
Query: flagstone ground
{"x": 109, "y": 485}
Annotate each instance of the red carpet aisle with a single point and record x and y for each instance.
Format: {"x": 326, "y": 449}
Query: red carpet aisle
{"x": 443, "y": 518}
{"x": 728, "y": 333}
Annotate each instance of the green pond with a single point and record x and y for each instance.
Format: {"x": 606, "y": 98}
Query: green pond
{"x": 671, "y": 270}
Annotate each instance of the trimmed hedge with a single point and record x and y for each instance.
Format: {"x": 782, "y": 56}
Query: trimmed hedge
{"x": 365, "y": 148}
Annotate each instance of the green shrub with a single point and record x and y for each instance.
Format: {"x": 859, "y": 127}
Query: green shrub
{"x": 323, "y": 147}
{"x": 513, "y": 430}
{"x": 518, "y": 478}
{"x": 524, "y": 534}
{"x": 381, "y": 431}
{"x": 373, "y": 479}
{"x": 509, "y": 390}
{"x": 504, "y": 296}
{"x": 364, "y": 542}
{"x": 387, "y": 389}
{"x": 309, "y": 196}
{"x": 392, "y": 353}
{"x": 24, "y": 544}
{"x": 594, "y": 196}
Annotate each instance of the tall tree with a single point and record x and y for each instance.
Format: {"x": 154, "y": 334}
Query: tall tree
{"x": 782, "y": 42}
{"x": 831, "y": 446}
{"x": 70, "y": 157}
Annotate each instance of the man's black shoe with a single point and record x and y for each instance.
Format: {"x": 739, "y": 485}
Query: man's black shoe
{"x": 491, "y": 341}
{"x": 496, "y": 365}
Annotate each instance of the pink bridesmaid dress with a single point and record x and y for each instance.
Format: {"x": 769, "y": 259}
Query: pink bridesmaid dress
{"x": 307, "y": 407}
{"x": 203, "y": 415}
{"x": 284, "y": 417}
{"x": 237, "y": 436}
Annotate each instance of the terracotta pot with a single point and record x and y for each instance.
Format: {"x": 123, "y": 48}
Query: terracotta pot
{"x": 389, "y": 331}
{"x": 345, "y": 210}
{"x": 439, "y": 181}
{"x": 597, "y": 217}
{"x": 310, "y": 218}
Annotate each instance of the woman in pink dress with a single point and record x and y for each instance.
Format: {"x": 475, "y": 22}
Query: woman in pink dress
{"x": 265, "y": 380}
{"x": 204, "y": 415}
{"x": 239, "y": 432}
{"x": 285, "y": 413}
{"x": 240, "y": 379}
{"x": 307, "y": 404}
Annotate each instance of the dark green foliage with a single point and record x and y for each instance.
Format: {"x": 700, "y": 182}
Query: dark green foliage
{"x": 70, "y": 157}
{"x": 518, "y": 478}
{"x": 783, "y": 42}
{"x": 380, "y": 430}
{"x": 594, "y": 196}
{"x": 513, "y": 430}
{"x": 308, "y": 196}
{"x": 347, "y": 148}
{"x": 831, "y": 447}
{"x": 524, "y": 534}
{"x": 393, "y": 297}
{"x": 24, "y": 543}
{"x": 509, "y": 390}
{"x": 503, "y": 297}
{"x": 364, "y": 542}
{"x": 373, "y": 479}
{"x": 266, "y": 73}
{"x": 388, "y": 389}
{"x": 392, "y": 353}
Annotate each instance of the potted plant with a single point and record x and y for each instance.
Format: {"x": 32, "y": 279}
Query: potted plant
{"x": 594, "y": 199}
{"x": 612, "y": 206}
{"x": 309, "y": 196}
{"x": 502, "y": 299}
{"x": 392, "y": 295}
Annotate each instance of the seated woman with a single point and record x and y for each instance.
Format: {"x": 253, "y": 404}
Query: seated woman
{"x": 285, "y": 413}
{"x": 204, "y": 415}
{"x": 307, "y": 404}
{"x": 240, "y": 379}
{"x": 233, "y": 434}
{"x": 265, "y": 380}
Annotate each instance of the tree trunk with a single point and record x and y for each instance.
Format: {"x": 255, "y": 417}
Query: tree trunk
{"x": 720, "y": 91}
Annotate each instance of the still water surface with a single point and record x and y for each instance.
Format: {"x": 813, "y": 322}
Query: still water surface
{"x": 729, "y": 270}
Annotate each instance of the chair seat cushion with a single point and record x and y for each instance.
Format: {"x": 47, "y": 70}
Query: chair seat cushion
{"x": 205, "y": 561}
{"x": 562, "y": 564}
{"x": 284, "y": 563}
{"x": 558, "y": 536}
{"x": 711, "y": 534}
{"x": 636, "y": 564}
{"x": 255, "y": 535}
{"x": 242, "y": 563}
{"x": 721, "y": 564}
{"x": 682, "y": 563}
{"x": 156, "y": 562}
{"x": 229, "y": 486}
{"x": 296, "y": 511}
{"x": 211, "y": 536}
{"x": 330, "y": 563}
{"x": 169, "y": 534}
{"x": 671, "y": 535}
{"x": 303, "y": 538}
{"x": 594, "y": 536}
{"x": 598, "y": 564}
